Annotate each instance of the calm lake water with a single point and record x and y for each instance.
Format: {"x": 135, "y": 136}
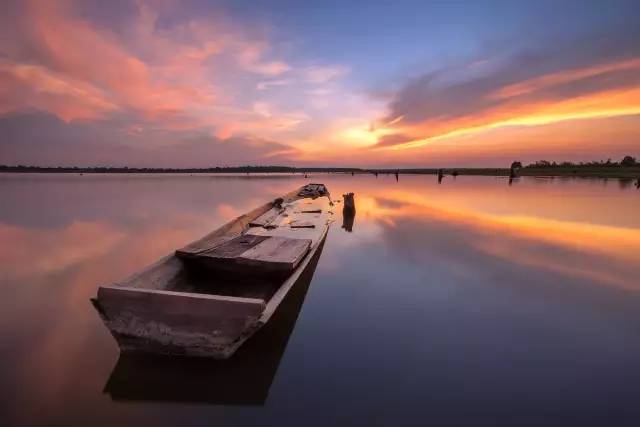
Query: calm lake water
{"x": 467, "y": 303}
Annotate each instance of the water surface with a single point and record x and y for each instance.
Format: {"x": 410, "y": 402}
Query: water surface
{"x": 472, "y": 302}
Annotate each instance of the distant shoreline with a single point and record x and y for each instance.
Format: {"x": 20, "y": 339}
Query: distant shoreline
{"x": 560, "y": 171}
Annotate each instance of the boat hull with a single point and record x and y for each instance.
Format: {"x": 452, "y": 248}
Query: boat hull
{"x": 143, "y": 319}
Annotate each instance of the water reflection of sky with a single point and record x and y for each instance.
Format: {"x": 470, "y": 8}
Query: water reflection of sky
{"x": 472, "y": 299}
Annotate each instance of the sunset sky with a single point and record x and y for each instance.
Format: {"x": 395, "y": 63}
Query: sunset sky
{"x": 334, "y": 83}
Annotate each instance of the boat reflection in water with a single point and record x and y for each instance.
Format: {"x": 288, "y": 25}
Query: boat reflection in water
{"x": 244, "y": 379}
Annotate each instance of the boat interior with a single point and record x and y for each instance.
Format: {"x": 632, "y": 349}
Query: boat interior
{"x": 251, "y": 256}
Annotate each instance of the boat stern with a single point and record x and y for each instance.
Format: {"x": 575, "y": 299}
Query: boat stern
{"x": 177, "y": 323}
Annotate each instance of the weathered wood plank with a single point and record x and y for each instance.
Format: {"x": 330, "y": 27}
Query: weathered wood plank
{"x": 276, "y": 254}
{"x": 266, "y": 218}
{"x": 263, "y": 253}
{"x": 193, "y": 249}
{"x": 302, "y": 224}
{"x": 178, "y": 303}
{"x": 224, "y": 257}
{"x": 234, "y": 247}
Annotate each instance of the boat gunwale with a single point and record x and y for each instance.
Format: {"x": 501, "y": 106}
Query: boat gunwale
{"x": 199, "y": 295}
{"x": 286, "y": 285}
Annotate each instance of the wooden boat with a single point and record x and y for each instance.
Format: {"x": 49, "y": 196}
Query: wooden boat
{"x": 209, "y": 297}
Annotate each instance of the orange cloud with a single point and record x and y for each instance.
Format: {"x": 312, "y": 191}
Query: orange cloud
{"x": 601, "y": 105}
{"x": 554, "y": 79}
{"x": 427, "y": 114}
{"x": 619, "y": 102}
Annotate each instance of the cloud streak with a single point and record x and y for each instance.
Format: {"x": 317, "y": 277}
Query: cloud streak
{"x": 528, "y": 89}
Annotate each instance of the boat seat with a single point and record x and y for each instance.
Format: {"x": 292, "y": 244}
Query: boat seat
{"x": 251, "y": 254}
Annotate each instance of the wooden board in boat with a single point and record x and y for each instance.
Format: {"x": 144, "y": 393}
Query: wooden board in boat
{"x": 270, "y": 244}
{"x": 266, "y": 218}
{"x": 276, "y": 254}
{"x": 251, "y": 254}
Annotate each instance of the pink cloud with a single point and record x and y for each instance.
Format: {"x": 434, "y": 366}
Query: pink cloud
{"x": 25, "y": 87}
{"x": 250, "y": 57}
{"x": 161, "y": 79}
{"x": 322, "y": 74}
{"x": 66, "y": 65}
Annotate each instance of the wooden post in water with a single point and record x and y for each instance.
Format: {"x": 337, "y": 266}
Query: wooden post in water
{"x": 440, "y": 175}
{"x": 515, "y": 166}
{"x": 348, "y": 212}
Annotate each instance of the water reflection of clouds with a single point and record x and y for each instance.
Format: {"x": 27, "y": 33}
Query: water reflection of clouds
{"x": 470, "y": 267}
{"x": 601, "y": 253}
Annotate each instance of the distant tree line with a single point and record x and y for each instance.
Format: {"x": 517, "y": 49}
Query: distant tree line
{"x": 627, "y": 161}
{"x": 217, "y": 169}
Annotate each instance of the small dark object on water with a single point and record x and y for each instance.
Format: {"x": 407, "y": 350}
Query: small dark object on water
{"x": 638, "y": 183}
{"x": 454, "y": 173}
{"x": 397, "y": 173}
{"x": 376, "y": 174}
{"x": 440, "y": 175}
{"x": 348, "y": 212}
{"x": 352, "y": 174}
{"x": 349, "y": 203}
{"x": 515, "y": 167}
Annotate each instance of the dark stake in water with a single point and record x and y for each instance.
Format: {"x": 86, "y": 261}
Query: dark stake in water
{"x": 462, "y": 303}
{"x": 348, "y": 212}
